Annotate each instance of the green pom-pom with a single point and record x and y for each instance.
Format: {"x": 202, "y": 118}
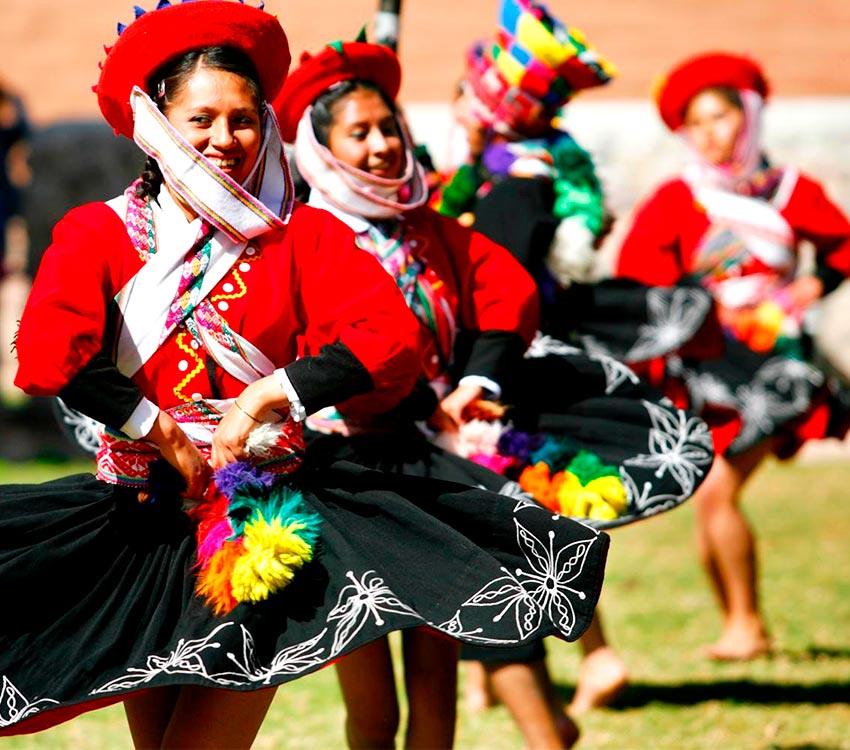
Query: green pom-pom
{"x": 458, "y": 196}
{"x": 587, "y": 467}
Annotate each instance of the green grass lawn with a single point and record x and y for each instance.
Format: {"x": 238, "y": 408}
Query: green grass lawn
{"x": 658, "y": 611}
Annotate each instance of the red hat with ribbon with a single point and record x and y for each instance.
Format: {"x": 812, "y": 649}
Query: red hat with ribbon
{"x": 709, "y": 70}
{"x": 158, "y": 36}
{"x": 337, "y": 62}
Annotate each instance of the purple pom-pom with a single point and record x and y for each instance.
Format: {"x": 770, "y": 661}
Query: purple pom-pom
{"x": 241, "y": 474}
{"x": 498, "y": 158}
{"x": 514, "y": 443}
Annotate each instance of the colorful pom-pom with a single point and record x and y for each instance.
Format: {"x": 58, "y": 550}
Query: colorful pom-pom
{"x": 215, "y": 580}
{"x": 275, "y": 551}
{"x": 253, "y": 537}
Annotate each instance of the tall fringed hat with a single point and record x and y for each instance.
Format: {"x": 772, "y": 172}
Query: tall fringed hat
{"x": 709, "y": 70}
{"x": 337, "y": 62}
{"x": 532, "y": 68}
{"x": 169, "y": 31}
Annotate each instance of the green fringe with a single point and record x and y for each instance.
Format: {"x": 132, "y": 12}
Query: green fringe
{"x": 587, "y": 467}
{"x": 278, "y": 502}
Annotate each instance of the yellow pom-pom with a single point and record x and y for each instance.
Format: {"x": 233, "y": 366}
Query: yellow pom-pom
{"x": 612, "y": 491}
{"x": 583, "y": 502}
{"x": 767, "y": 322}
{"x": 273, "y": 554}
{"x": 567, "y": 489}
{"x": 601, "y": 511}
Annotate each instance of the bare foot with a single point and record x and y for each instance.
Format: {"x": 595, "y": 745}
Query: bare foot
{"x": 733, "y": 648}
{"x": 568, "y": 733}
{"x": 568, "y": 730}
{"x": 602, "y": 679}
{"x": 477, "y": 693}
{"x": 740, "y": 641}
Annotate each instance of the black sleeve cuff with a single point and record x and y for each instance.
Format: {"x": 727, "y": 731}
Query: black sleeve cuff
{"x": 332, "y": 376}
{"x": 830, "y": 278}
{"x": 494, "y": 355}
{"x": 101, "y": 392}
{"x": 419, "y": 404}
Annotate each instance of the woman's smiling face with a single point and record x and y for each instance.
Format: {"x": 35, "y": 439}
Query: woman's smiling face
{"x": 364, "y": 134}
{"x": 217, "y": 112}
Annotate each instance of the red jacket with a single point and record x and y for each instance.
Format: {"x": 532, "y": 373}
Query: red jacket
{"x": 667, "y": 228}
{"x": 307, "y": 283}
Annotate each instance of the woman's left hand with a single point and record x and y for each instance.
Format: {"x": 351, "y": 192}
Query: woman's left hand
{"x": 247, "y": 412}
{"x": 449, "y": 414}
{"x": 228, "y": 443}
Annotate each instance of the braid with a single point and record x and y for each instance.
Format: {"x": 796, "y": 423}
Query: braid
{"x": 150, "y": 181}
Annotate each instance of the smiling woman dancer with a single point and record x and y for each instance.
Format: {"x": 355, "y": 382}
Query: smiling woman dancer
{"x": 200, "y": 317}
{"x": 478, "y": 311}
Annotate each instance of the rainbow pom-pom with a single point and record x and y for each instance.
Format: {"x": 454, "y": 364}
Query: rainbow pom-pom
{"x": 253, "y": 538}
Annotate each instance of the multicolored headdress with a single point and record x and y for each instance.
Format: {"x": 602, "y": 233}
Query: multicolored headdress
{"x": 169, "y": 31}
{"x": 533, "y": 66}
{"x": 708, "y": 70}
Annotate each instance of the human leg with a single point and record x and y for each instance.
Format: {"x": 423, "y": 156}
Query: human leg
{"x": 148, "y": 714}
{"x": 477, "y": 691}
{"x": 527, "y": 692}
{"x": 727, "y": 549}
{"x": 368, "y": 690}
{"x": 207, "y": 718}
{"x": 603, "y": 674}
{"x": 430, "y": 676}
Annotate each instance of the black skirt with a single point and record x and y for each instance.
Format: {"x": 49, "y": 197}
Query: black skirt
{"x": 671, "y": 336}
{"x": 582, "y": 404}
{"x": 101, "y": 589}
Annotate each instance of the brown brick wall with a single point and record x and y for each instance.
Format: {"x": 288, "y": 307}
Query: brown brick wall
{"x": 50, "y": 49}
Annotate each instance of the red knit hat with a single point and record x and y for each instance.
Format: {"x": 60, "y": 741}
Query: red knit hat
{"x": 337, "y": 62}
{"x": 704, "y": 71}
{"x": 169, "y": 31}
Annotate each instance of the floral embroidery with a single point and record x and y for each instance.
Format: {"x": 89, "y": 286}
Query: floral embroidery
{"x": 15, "y": 707}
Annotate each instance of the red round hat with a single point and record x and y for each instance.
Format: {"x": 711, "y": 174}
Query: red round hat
{"x": 704, "y": 71}
{"x": 339, "y": 61}
{"x": 160, "y": 35}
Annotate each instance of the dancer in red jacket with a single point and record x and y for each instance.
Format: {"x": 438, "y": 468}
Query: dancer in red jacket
{"x": 733, "y": 222}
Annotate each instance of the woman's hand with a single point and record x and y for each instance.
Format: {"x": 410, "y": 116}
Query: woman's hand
{"x": 803, "y": 292}
{"x": 247, "y": 412}
{"x": 176, "y": 448}
{"x": 449, "y": 414}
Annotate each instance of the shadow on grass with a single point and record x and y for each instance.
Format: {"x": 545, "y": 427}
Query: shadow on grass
{"x": 816, "y": 653}
{"x": 640, "y": 694}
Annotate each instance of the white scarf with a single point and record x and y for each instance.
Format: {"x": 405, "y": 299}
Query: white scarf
{"x": 352, "y": 190}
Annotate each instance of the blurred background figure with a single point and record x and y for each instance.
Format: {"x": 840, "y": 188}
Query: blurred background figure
{"x": 14, "y": 129}
{"x": 529, "y": 186}
{"x": 46, "y": 171}
{"x": 733, "y": 223}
